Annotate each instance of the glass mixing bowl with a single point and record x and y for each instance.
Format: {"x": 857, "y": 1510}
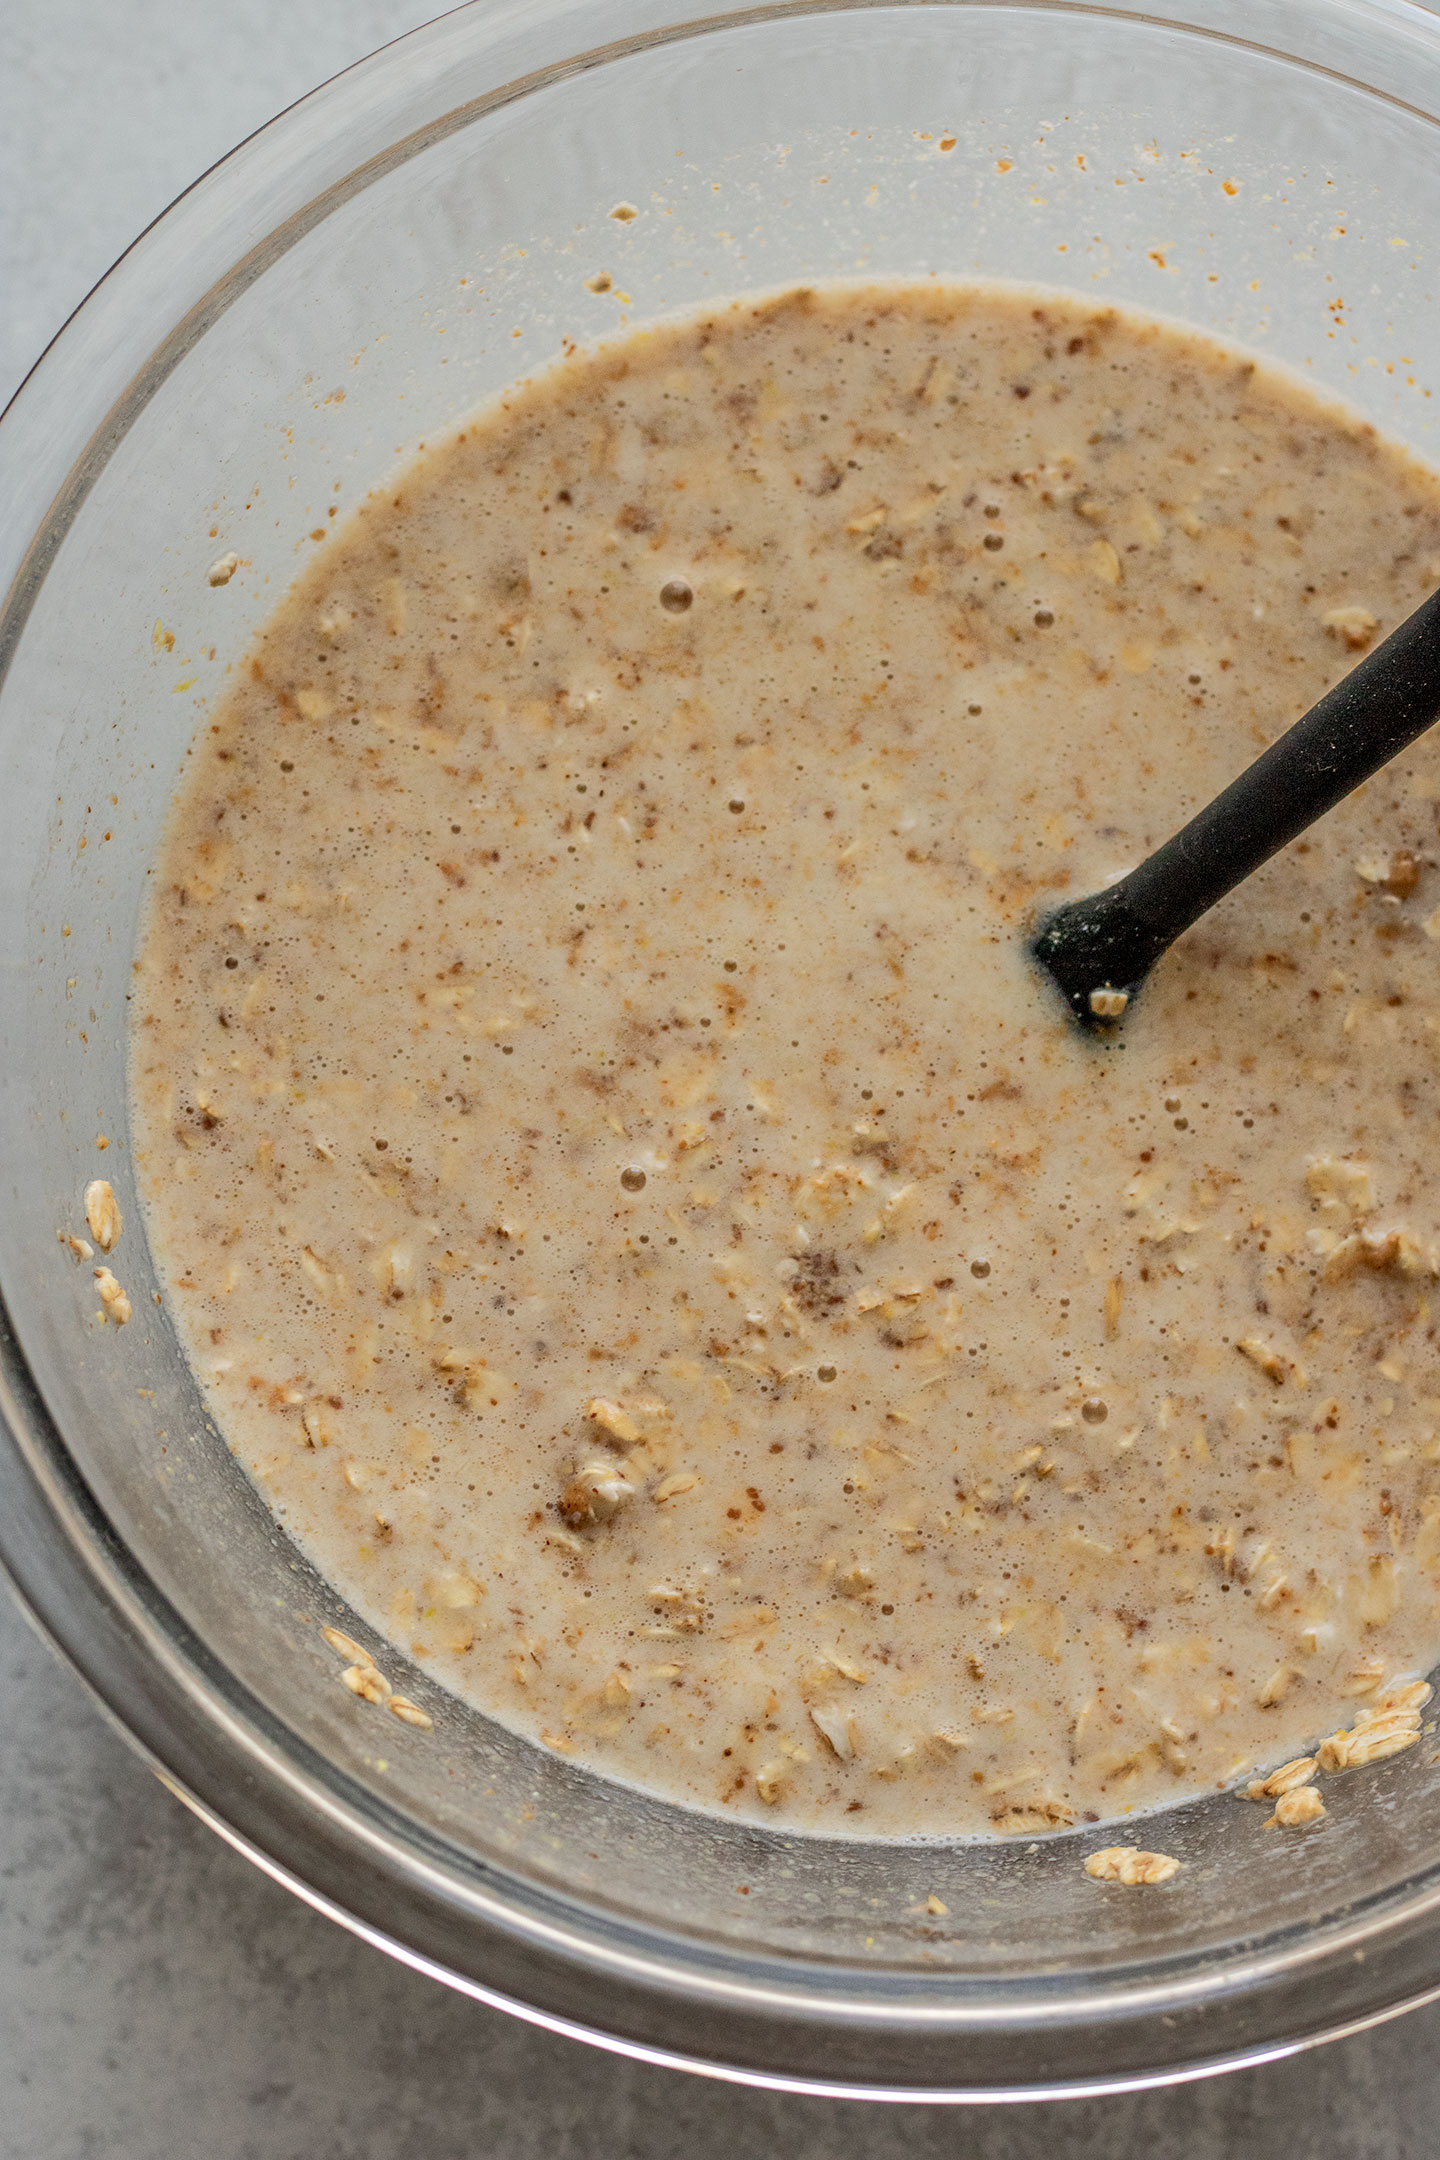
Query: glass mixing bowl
{"x": 379, "y": 259}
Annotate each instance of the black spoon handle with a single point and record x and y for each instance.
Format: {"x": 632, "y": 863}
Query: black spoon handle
{"x": 1392, "y": 696}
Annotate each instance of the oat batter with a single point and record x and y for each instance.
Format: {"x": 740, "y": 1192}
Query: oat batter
{"x": 634, "y": 1211}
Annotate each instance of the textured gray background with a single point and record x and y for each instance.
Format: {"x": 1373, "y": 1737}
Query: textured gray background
{"x": 159, "y": 1999}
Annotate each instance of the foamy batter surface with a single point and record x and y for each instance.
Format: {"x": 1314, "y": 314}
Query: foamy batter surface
{"x": 637, "y": 1216}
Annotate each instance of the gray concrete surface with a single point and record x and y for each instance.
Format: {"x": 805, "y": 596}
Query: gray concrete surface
{"x": 159, "y": 1999}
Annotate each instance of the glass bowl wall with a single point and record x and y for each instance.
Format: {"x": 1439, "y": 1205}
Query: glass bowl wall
{"x": 349, "y": 282}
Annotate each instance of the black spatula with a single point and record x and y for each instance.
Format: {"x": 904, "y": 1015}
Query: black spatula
{"x": 1098, "y": 951}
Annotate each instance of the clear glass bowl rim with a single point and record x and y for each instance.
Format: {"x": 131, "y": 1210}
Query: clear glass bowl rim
{"x": 202, "y": 1733}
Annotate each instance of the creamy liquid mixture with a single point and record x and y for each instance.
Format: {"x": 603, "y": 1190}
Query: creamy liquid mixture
{"x": 637, "y": 1216}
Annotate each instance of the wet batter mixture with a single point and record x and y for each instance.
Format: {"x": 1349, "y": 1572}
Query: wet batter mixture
{"x": 635, "y": 1213}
